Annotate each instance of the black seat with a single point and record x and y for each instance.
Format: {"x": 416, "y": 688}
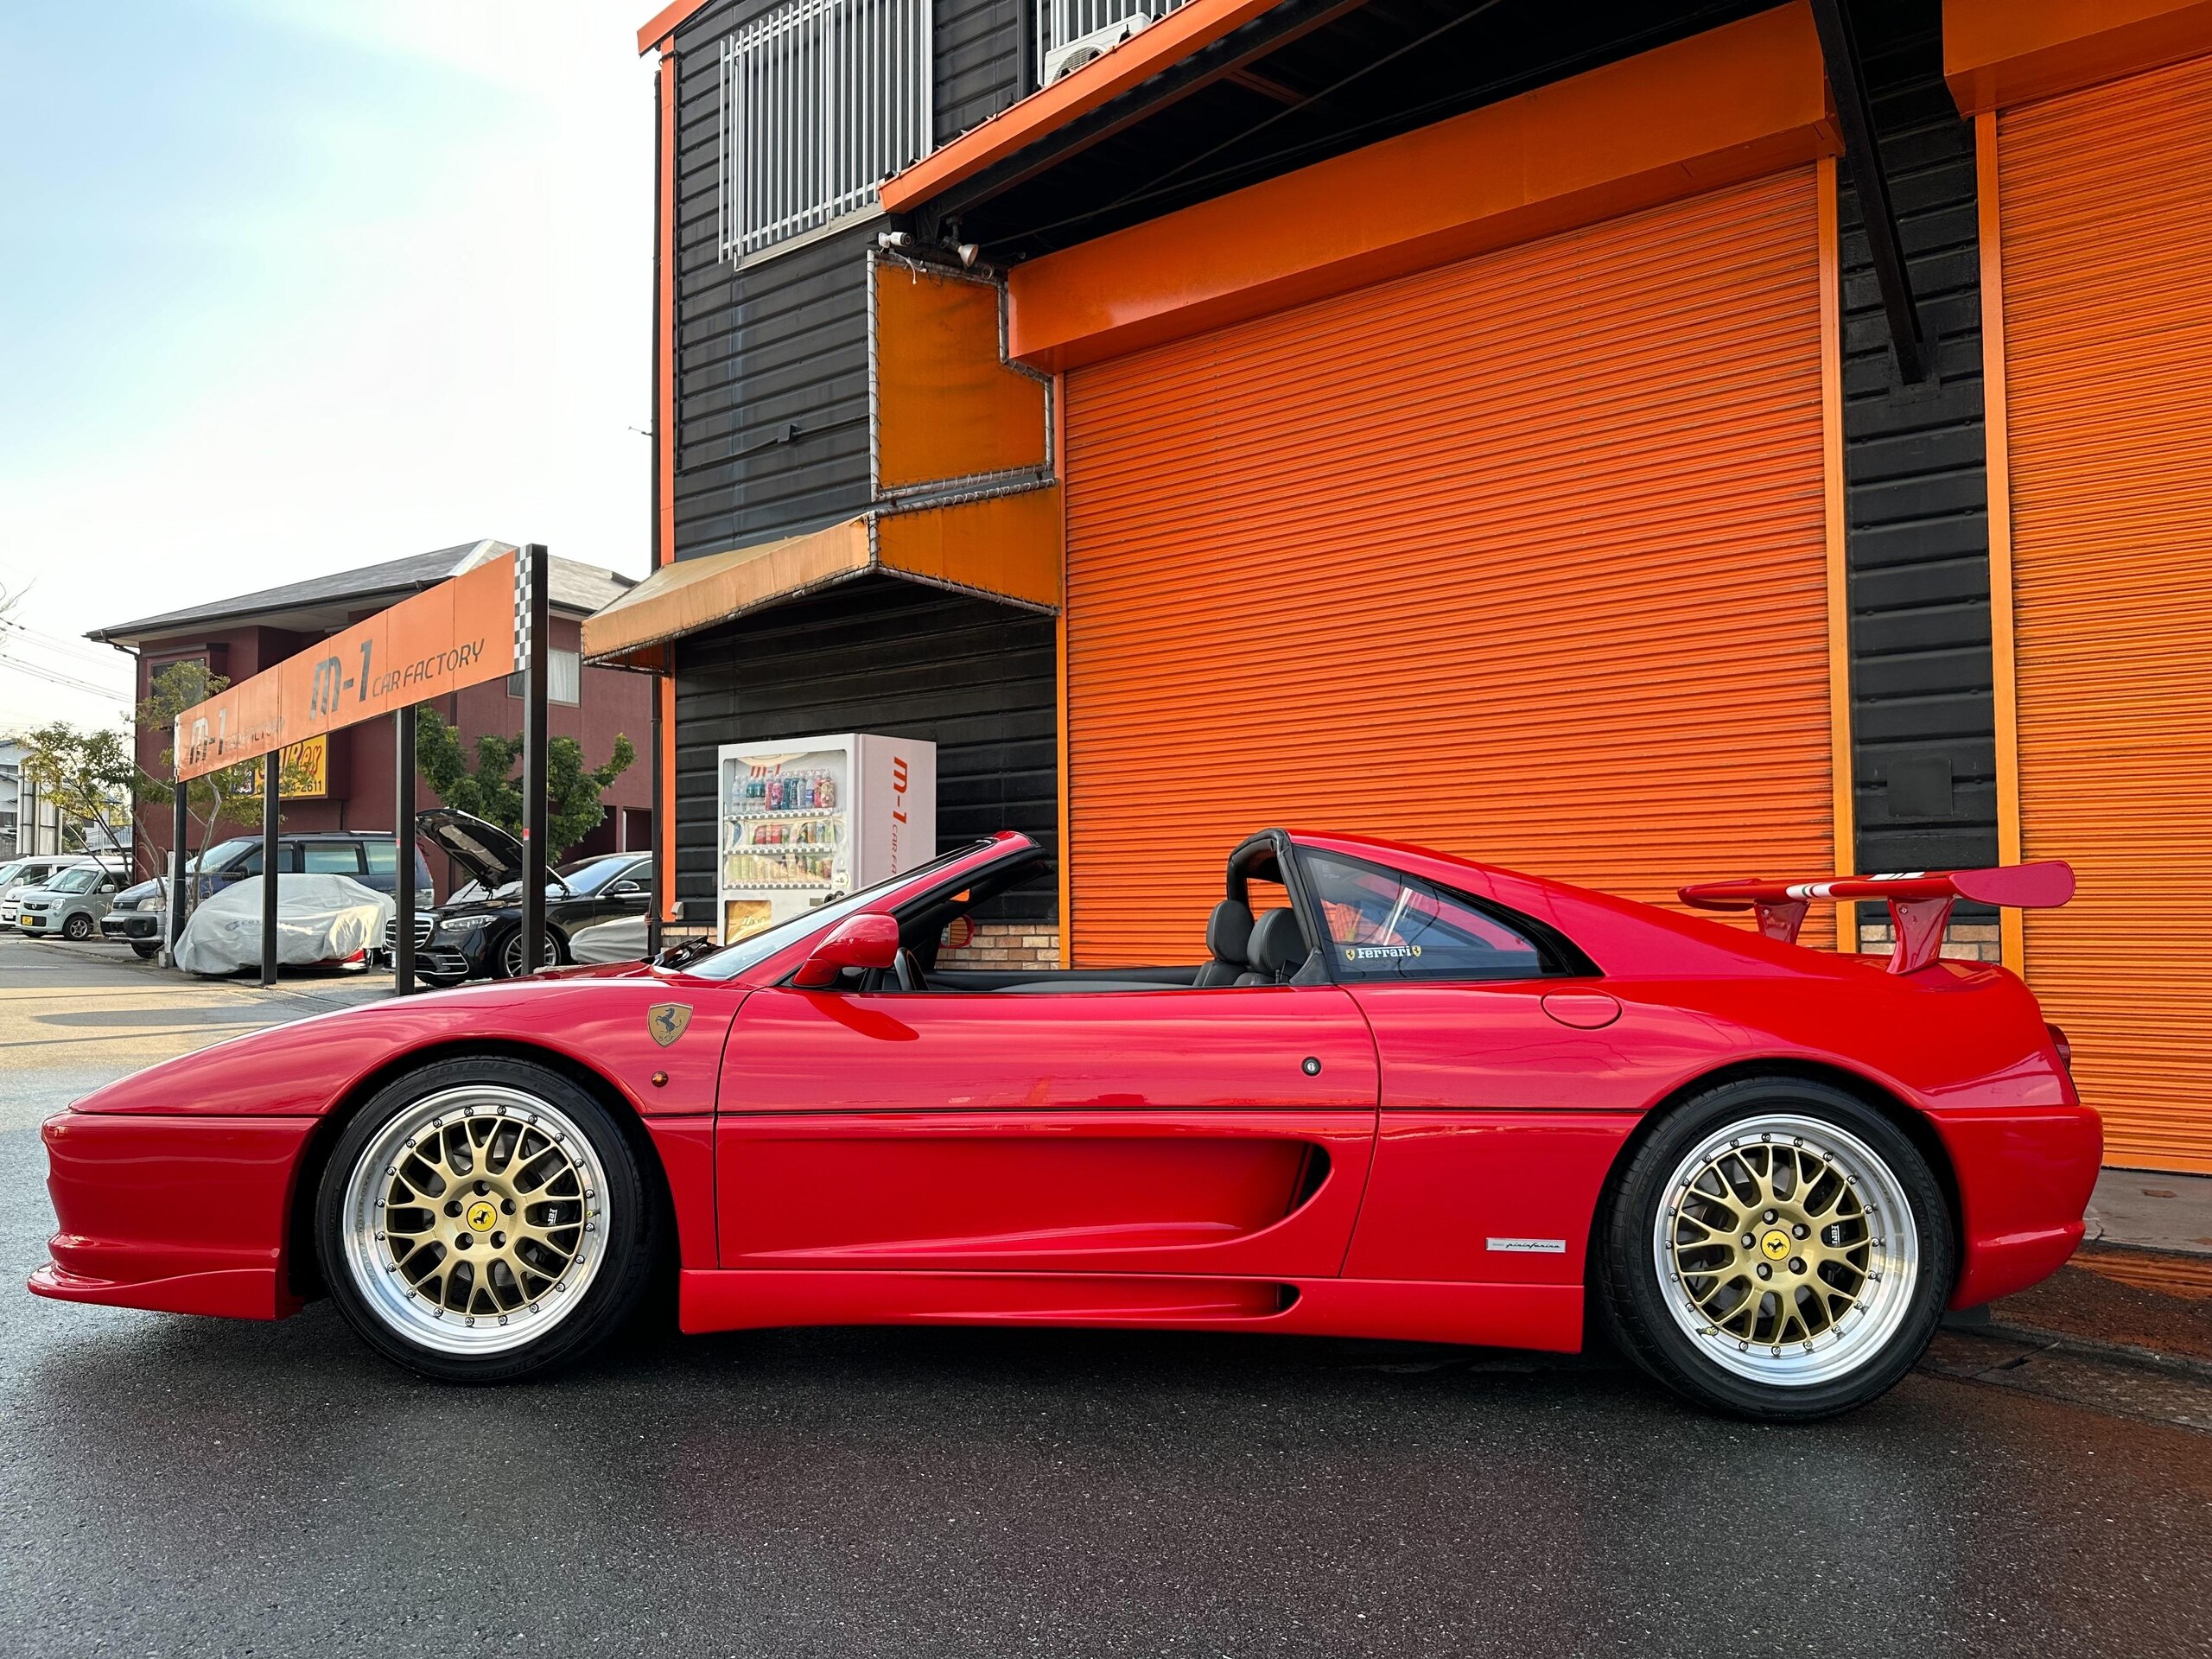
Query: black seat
{"x": 1229, "y": 937}
{"x": 1278, "y": 949}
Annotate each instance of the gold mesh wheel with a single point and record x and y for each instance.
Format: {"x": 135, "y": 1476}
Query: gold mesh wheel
{"x": 475, "y": 1219}
{"x": 1787, "y": 1249}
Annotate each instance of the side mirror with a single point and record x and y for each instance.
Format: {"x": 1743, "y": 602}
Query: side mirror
{"x": 867, "y": 941}
{"x": 626, "y": 890}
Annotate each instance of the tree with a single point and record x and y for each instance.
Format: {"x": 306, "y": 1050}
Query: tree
{"x": 489, "y": 790}
{"x": 173, "y": 690}
{"x": 86, "y": 774}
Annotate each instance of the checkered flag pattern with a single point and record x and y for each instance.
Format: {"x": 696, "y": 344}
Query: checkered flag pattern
{"x": 522, "y": 610}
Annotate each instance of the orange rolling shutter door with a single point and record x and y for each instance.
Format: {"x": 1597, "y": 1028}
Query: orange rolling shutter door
{"x": 1522, "y": 557}
{"x": 2106, "y": 253}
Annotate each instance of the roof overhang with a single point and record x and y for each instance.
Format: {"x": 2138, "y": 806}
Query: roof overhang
{"x": 1165, "y": 43}
{"x": 2002, "y": 52}
{"x": 1004, "y": 547}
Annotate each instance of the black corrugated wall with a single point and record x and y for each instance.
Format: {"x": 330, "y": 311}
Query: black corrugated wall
{"x": 772, "y": 439}
{"x": 974, "y": 678}
{"x": 1922, "y": 724}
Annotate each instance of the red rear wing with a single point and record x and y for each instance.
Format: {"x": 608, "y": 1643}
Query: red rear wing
{"x": 1919, "y": 901}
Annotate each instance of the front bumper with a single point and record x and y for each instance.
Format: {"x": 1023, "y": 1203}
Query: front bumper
{"x": 142, "y": 925}
{"x": 184, "y": 1215}
{"x": 34, "y": 921}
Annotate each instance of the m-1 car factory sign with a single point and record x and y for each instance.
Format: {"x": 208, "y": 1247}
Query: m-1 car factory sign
{"x": 460, "y": 633}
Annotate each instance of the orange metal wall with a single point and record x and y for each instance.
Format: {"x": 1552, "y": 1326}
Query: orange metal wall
{"x": 1523, "y": 557}
{"x": 2107, "y": 255}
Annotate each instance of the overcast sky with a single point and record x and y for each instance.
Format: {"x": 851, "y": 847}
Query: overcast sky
{"x": 289, "y": 286}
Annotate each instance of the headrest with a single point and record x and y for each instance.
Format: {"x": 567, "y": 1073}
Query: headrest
{"x": 1229, "y": 932}
{"x": 1278, "y": 943}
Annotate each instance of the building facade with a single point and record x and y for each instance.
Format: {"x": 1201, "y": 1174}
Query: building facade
{"x": 1640, "y": 441}
{"x": 349, "y": 781}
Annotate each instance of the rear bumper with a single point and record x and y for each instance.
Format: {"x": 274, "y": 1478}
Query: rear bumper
{"x": 2025, "y": 1180}
{"x": 184, "y": 1215}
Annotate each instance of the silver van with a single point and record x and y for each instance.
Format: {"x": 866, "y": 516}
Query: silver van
{"x": 70, "y": 905}
{"x": 18, "y": 876}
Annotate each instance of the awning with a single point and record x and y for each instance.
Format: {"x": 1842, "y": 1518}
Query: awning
{"x": 1105, "y": 77}
{"x": 1003, "y": 547}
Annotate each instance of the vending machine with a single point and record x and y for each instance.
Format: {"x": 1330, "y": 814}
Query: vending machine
{"x": 806, "y": 820}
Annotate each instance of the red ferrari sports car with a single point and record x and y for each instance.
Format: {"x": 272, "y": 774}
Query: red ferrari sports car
{"x": 1405, "y": 1095}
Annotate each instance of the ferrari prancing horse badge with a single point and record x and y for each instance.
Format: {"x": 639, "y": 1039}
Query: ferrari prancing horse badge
{"x": 667, "y": 1020}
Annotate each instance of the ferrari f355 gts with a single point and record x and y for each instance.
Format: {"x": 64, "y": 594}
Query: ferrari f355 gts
{"x": 1404, "y": 1096}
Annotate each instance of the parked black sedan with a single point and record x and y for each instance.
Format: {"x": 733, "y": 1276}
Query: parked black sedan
{"x": 477, "y": 932}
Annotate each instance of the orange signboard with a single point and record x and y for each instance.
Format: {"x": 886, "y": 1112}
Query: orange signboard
{"x": 460, "y": 632}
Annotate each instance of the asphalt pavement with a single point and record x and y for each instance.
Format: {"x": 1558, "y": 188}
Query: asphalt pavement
{"x": 174, "y": 1486}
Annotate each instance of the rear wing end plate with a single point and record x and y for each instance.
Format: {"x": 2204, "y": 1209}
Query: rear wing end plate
{"x": 1920, "y": 901}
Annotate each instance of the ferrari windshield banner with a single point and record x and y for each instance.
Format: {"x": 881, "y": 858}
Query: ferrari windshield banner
{"x": 459, "y": 633}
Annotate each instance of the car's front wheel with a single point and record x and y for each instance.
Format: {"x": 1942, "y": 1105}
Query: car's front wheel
{"x": 78, "y": 927}
{"x": 483, "y": 1219}
{"x": 510, "y": 954}
{"x": 144, "y": 951}
{"x": 1777, "y": 1250}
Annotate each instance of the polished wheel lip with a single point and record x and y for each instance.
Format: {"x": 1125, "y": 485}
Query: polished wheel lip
{"x": 399, "y": 1308}
{"x": 1861, "y": 1335}
{"x": 510, "y": 954}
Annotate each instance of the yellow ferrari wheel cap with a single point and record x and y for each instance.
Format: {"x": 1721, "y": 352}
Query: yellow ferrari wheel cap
{"x": 1775, "y": 1245}
{"x": 483, "y": 1215}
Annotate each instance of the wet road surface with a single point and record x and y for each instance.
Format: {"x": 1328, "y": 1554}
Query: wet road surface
{"x": 178, "y": 1486}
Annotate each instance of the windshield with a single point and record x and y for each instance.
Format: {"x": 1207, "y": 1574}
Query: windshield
{"x": 735, "y": 959}
{"x": 590, "y": 875}
{"x": 83, "y": 879}
{"x": 12, "y": 873}
{"x": 218, "y": 859}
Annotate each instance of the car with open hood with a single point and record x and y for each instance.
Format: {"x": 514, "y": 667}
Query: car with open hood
{"x": 477, "y": 932}
{"x": 1404, "y": 1096}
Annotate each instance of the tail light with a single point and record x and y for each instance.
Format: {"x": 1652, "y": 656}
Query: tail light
{"x": 2065, "y": 1049}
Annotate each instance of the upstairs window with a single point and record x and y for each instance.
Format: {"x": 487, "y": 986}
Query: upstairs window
{"x": 564, "y": 676}
{"x": 821, "y": 101}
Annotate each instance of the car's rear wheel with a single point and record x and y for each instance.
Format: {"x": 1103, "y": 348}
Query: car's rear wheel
{"x": 78, "y": 927}
{"x": 483, "y": 1219}
{"x": 510, "y": 954}
{"x": 1777, "y": 1250}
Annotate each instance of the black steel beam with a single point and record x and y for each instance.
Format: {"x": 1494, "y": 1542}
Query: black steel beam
{"x": 1862, "y": 153}
{"x": 272, "y": 770}
{"x": 402, "y": 832}
{"x": 535, "y": 660}
{"x": 180, "y": 832}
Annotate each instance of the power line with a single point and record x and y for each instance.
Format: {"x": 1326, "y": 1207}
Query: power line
{"x": 69, "y": 681}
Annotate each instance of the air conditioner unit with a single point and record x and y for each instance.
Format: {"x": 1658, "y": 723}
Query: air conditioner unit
{"x": 1066, "y": 59}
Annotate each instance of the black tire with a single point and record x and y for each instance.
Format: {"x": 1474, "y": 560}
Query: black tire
{"x": 145, "y": 952}
{"x": 78, "y": 927}
{"x": 506, "y": 956}
{"x": 400, "y": 1322}
{"x": 1637, "y": 1293}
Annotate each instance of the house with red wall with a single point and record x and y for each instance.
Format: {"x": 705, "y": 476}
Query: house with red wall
{"x": 239, "y": 637}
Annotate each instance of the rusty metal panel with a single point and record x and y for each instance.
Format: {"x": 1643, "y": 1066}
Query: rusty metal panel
{"x": 1522, "y": 557}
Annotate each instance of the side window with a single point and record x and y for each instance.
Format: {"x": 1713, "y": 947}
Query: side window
{"x": 332, "y": 858}
{"x": 1383, "y": 926}
{"x": 384, "y": 858}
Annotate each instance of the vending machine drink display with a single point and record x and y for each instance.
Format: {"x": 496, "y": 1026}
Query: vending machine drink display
{"x": 806, "y": 820}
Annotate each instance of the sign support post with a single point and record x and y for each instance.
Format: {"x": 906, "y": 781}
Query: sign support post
{"x": 179, "y": 831}
{"x": 402, "y": 810}
{"x": 530, "y": 605}
{"x": 272, "y": 765}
